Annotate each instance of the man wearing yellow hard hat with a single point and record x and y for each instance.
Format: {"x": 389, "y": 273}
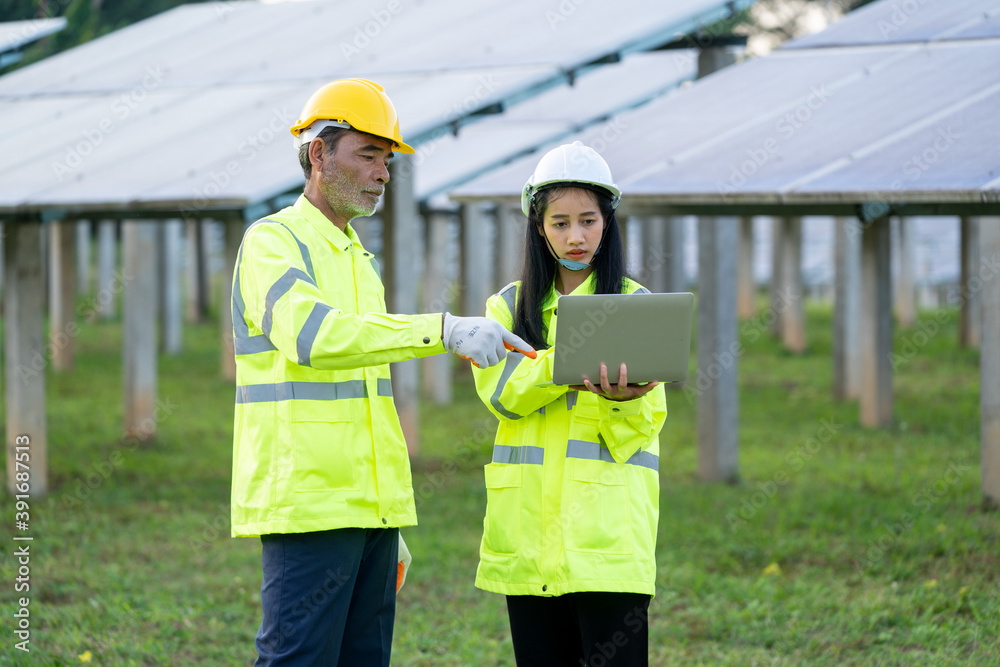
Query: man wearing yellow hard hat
{"x": 320, "y": 468}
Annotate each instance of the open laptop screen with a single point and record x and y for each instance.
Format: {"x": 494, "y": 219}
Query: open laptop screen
{"x": 649, "y": 333}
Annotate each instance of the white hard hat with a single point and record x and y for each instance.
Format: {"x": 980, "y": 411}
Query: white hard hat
{"x": 570, "y": 163}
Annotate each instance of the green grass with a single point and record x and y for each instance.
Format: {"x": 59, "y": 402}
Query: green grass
{"x": 882, "y": 555}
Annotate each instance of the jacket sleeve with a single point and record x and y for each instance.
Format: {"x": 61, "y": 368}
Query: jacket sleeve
{"x": 282, "y": 301}
{"x": 627, "y": 427}
{"x": 510, "y": 389}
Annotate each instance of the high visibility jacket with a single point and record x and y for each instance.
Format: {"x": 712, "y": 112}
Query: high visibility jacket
{"x": 317, "y": 441}
{"x": 573, "y": 488}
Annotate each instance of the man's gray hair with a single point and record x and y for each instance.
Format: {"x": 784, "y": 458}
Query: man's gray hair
{"x": 331, "y": 137}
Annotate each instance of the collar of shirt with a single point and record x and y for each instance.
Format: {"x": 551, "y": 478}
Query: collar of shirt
{"x": 331, "y": 232}
{"x": 586, "y": 287}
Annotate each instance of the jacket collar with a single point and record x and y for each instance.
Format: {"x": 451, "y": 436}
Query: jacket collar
{"x": 586, "y": 287}
{"x": 331, "y": 232}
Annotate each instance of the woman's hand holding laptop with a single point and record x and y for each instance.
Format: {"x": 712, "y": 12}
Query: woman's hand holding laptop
{"x": 622, "y": 391}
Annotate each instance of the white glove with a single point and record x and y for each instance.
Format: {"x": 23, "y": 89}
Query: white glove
{"x": 481, "y": 340}
{"x": 404, "y": 563}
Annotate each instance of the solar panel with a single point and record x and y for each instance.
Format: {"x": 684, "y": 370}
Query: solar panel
{"x": 17, "y": 34}
{"x": 902, "y": 21}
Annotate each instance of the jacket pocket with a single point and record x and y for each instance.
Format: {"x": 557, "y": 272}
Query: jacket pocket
{"x": 585, "y": 421}
{"x": 323, "y": 447}
{"x": 597, "y": 508}
{"x": 503, "y": 508}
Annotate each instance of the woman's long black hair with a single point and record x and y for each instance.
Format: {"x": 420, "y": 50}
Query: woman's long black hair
{"x": 540, "y": 267}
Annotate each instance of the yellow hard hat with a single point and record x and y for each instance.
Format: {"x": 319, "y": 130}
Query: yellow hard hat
{"x": 357, "y": 103}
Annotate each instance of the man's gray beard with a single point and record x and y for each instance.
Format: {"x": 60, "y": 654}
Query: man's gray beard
{"x": 356, "y": 207}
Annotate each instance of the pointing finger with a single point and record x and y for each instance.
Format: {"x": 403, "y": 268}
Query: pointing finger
{"x": 518, "y": 344}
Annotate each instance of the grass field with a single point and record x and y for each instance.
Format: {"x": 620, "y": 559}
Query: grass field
{"x": 841, "y": 546}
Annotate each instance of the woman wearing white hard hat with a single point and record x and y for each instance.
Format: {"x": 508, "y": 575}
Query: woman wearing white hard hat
{"x": 573, "y": 488}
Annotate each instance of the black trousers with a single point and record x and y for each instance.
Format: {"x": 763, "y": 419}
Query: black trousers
{"x": 580, "y": 630}
{"x": 329, "y": 598}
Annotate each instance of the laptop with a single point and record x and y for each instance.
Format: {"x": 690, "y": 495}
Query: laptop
{"x": 650, "y": 333}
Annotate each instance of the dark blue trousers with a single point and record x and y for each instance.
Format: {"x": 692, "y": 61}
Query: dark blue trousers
{"x": 587, "y": 629}
{"x": 329, "y": 598}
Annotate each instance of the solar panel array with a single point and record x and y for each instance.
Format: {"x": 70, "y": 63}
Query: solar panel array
{"x": 901, "y": 123}
{"x": 191, "y": 109}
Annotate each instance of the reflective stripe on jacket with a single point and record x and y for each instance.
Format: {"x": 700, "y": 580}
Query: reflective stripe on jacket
{"x": 317, "y": 442}
{"x": 573, "y": 488}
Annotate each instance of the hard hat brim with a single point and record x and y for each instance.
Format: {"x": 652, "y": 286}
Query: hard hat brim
{"x": 304, "y": 135}
{"x": 529, "y": 191}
